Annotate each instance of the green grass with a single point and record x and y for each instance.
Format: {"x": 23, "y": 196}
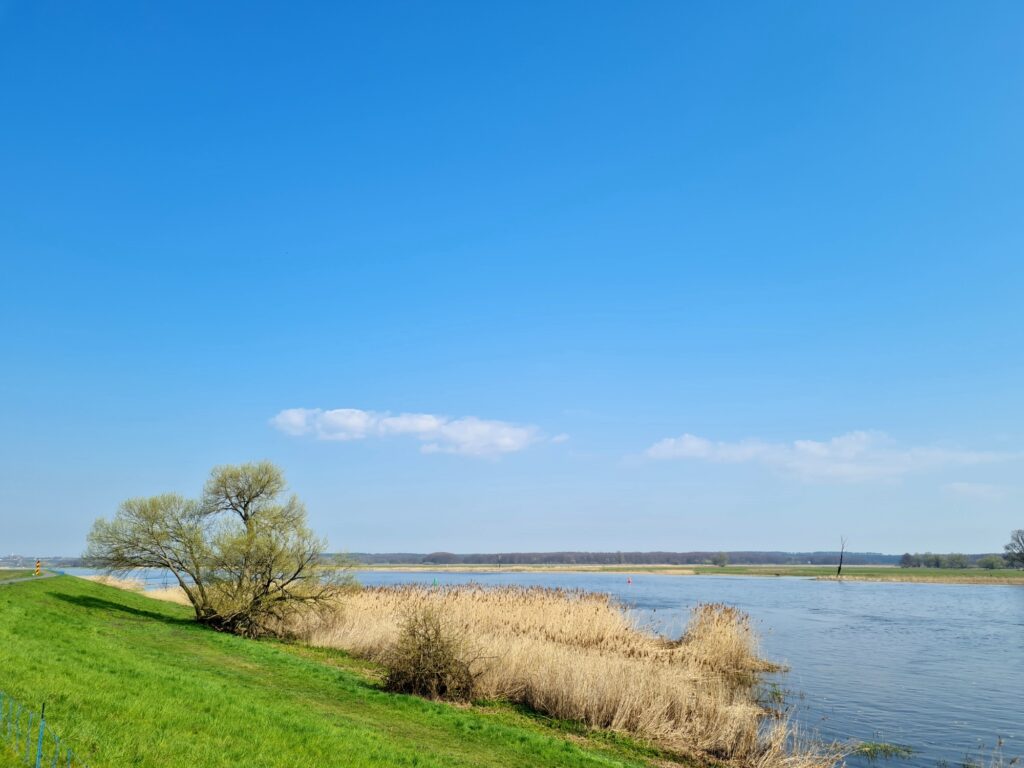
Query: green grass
{"x": 7, "y": 575}
{"x": 130, "y": 681}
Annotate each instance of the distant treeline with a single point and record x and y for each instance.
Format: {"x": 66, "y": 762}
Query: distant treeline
{"x": 907, "y": 560}
{"x": 624, "y": 558}
{"x": 952, "y": 560}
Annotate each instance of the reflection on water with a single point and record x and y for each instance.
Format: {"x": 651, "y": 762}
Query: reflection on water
{"x": 938, "y": 668}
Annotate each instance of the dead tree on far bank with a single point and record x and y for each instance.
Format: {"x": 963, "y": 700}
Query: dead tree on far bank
{"x": 842, "y": 551}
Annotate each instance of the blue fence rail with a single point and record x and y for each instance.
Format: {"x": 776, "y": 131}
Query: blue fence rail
{"x": 27, "y": 733}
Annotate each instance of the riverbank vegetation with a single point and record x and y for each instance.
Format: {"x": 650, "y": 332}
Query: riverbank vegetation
{"x": 572, "y": 656}
{"x": 1012, "y": 557}
{"x": 128, "y": 680}
{"x": 575, "y": 656}
{"x": 953, "y": 561}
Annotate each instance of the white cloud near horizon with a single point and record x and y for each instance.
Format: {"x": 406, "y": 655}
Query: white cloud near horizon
{"x": 468, "y": 436}
{"x": 980, "y": 491}
{"x": 852, "y": 457}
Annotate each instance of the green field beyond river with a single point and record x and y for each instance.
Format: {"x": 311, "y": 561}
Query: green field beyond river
{"x": 850, "y": 572}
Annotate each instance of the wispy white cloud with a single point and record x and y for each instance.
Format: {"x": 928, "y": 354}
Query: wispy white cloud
{"x": 440, "y": 434}
{"x": 980, "y": 491}
{"x": 855, "y": 456}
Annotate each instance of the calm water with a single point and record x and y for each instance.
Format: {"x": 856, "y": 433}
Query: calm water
{"x": 938, "y": 668}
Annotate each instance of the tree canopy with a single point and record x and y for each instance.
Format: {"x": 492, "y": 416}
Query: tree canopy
{"x": 243, "y": 555}
{"x": 1015, "y": 549}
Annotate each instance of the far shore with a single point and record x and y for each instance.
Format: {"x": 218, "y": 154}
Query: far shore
{"x": 1000, "y": 576}
{"x": 877, "y": 573}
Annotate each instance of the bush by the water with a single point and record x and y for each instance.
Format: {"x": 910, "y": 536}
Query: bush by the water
{"x": 429, "y": 658}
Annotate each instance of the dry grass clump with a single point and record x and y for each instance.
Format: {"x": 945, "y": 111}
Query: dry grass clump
{"x": 578, "y": 656}
{"x": 719, "y": 638}
{"x": 170, "y": 595}
{"x": 995, "y": 759}
{"x": 131, "y": 585}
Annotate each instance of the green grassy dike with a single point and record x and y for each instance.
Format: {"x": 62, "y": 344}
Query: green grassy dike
{"x": 130, "y": 681}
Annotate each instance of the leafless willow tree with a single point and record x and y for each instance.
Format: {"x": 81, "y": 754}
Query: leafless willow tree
{"x": 244, "y": 556}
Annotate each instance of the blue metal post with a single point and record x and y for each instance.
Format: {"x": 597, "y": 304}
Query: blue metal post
{"x": 42, "y": 730}
{"x": 28, "y": 737}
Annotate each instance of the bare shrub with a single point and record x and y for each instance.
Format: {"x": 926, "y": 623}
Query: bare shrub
{"x": 429, "y": 658}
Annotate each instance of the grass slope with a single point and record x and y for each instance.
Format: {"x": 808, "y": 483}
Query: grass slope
{"x": 8, "y": 574}
{"x": 130, "y": 681}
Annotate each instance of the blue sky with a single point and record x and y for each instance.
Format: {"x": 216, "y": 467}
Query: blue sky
{"x": 519, "y": 276}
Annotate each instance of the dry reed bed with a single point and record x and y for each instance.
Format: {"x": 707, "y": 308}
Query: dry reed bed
{"x": 579, "y": 656}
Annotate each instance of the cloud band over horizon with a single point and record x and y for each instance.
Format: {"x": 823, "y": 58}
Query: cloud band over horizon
{"x": 851, "y": 457}
{"x": 467, "y": 436}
